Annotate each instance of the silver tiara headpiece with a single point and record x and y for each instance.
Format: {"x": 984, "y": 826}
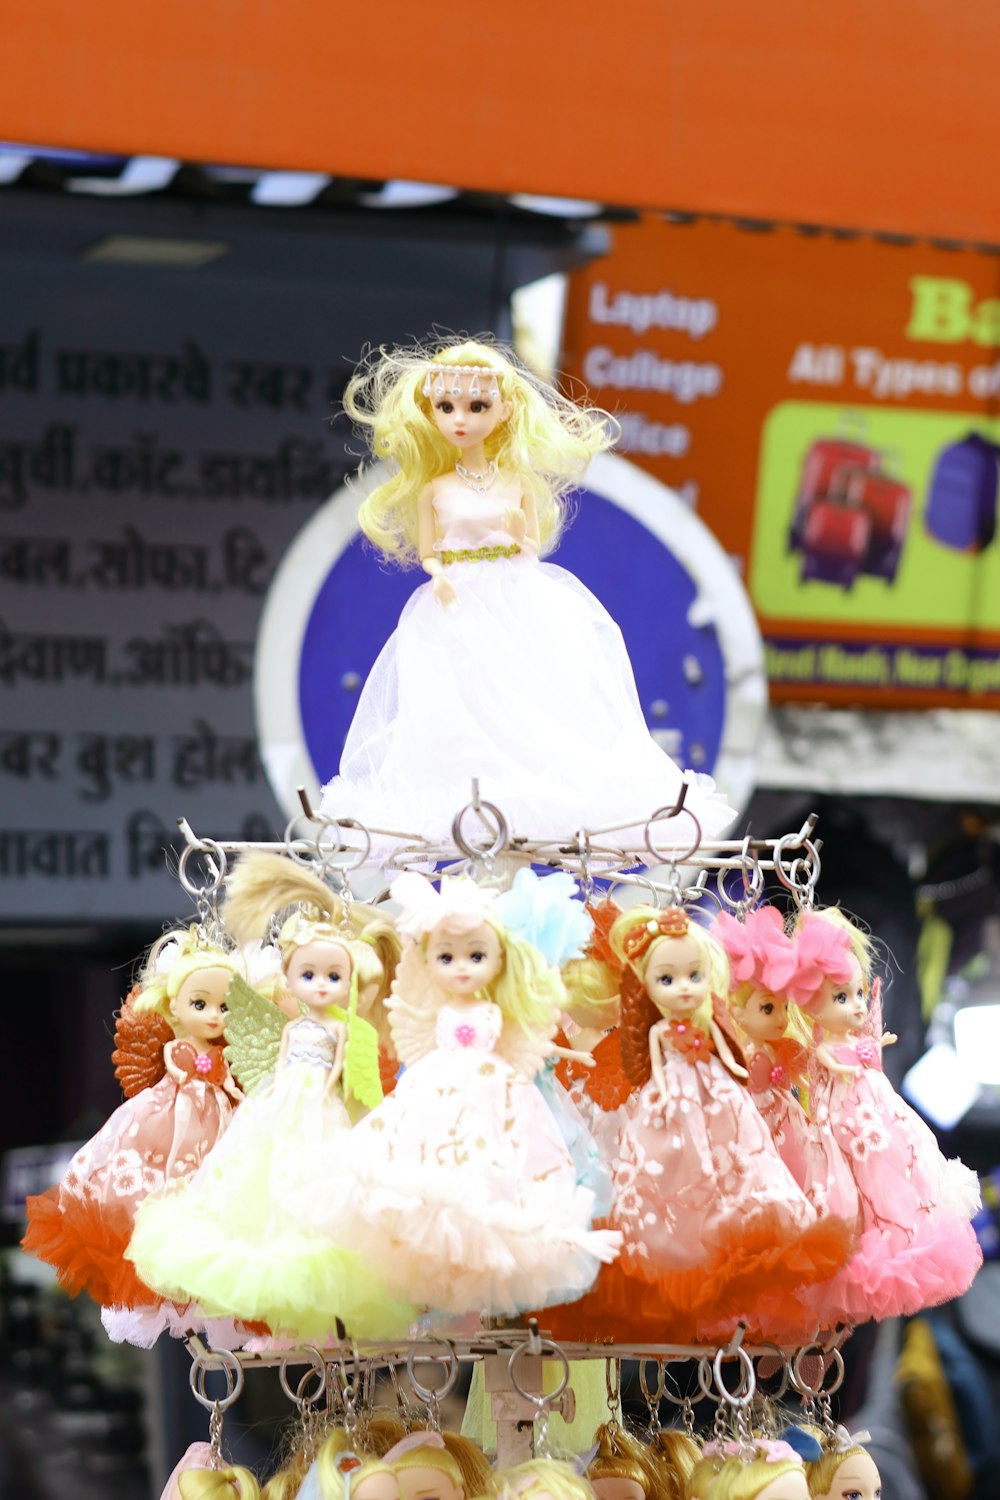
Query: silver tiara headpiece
{"x": 446, "y": 380}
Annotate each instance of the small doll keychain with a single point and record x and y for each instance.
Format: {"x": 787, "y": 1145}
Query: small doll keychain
{"x": 776, "y": 1041}
{"x": 757, "y": 1469}
{"x": 714, "y": 1227}
{"x": 240, "y": 1237}
{"x": 501, "y": 667}
{"x": 183, "y": 1099}
{"x": 917, "y": 1247}
{"x": 459, "y": 1187}
{"x": 846, "y": 1468}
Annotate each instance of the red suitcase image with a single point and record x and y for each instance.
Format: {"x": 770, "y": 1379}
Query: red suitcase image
{"x": 826, "y": 459}
{"x": 887, "y": 501}
{"x": 835, "y": 543}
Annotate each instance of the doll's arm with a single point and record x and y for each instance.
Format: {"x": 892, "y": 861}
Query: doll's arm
{"x": 522, "y": 523}
{"x": 444, "y": 589}
{"x": 176, "y": 1073}
{"x": 232, "y": 1088}
{"x": 656, "y": 1057}
{"x": 724, "y": 1050}
{"x": 887, "y": 1039}
{"x": 825, "y": 1055}
{"x": 569, "y": 1054}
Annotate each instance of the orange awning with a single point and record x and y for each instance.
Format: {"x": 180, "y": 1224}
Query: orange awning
{"x": 879, "y": 116}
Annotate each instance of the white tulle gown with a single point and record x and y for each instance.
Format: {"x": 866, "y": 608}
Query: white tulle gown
{"x": 526, "y": 684}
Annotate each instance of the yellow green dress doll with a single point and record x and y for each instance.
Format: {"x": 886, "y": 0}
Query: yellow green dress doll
{"x": 242, "y": 1228}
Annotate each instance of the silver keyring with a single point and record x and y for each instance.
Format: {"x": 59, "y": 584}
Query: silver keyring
{"x": 666, "y": 815}
{"x": 302, "y": 849}
{"x": 316, "y": 1367}
{"x": 224, "y": 1361}
{"x": 542, "y": 1400}
{"x": 704, "y": 1371}
{"x": 783, "y": 1367}
{"x": 653, "y": 1397}
{"x": 801, "y": 889}
{"x": 500, "y": 834}
{"x": 344, "y": 866}
{"x": 740, "y": 1398}
{"x": 213, "y": 883}
{"x": 449, "y": 1361}
{"x": 821, "y": 1388}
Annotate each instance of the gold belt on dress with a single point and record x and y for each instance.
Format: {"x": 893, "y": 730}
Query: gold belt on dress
{"x": 481, "y": 554}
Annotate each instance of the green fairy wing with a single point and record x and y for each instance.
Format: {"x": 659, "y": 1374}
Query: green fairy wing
{"x": 253, "y": 1034}
{"x": 361, "y": 1069}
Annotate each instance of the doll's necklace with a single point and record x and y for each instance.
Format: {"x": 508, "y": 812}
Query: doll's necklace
{"x": 480, "y": 482}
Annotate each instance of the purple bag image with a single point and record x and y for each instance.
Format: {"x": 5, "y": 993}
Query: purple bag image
{"x": 961, "y": 510}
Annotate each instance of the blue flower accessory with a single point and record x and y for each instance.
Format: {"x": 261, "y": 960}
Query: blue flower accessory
{"x": 544, "y": 912}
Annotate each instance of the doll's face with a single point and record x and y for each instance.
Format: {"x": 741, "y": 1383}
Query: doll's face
{"x": 427, "y": 1484}
{"x": 842, "y": 1008}
{"x": 676, "y": 976}
{"x": 764, "y": 1017}
{"x": 790, "y": 1486}
{"x": 462, "y": 963}
{"x": 199, "y": 1007}
{"x": 319, "y": 974}
{"x": 466, "y": 420}
{"x": 856, "y": 1479}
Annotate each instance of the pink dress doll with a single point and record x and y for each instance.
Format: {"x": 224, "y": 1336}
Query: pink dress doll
{"x": 762, "y": 967}
{"x": 83, "y": 1224}
{"x": 917, "y": 1246}
{"x": 714, "y": 1227}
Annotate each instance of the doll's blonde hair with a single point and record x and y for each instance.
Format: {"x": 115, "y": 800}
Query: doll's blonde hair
{"x": 170, "y": 963}
{"x": 822, "y": 1472}
{"x": 638, "y": 1013}
{"x": 734, "y": 1479}
{"x": 465, "y": 1465}
{"x": 218, "y": 1484}
{"x": 263, "y": 884}
{"x": 675, "y": 1454}
{"x": 546, "y": 442}
{"x": 621, "y": 1456}
{"x": 538, "y": 1478}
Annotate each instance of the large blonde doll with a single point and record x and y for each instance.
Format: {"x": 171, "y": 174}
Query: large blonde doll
{"x": 243, "y": 1236}
{"x": 459, "y": 1187}
{"x": 501, "y": 667}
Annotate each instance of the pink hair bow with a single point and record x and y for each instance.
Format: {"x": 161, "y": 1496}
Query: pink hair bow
{"x": 822, "y": 952}
{"x": 461, "y": 903}
{"x": 772, "y": 1450}
{"x": 411, "y": 1441}
{"x": 760, "y": 951}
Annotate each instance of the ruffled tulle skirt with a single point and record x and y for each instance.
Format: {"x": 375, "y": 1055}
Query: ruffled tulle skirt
{"x": 526, "y": 685}
{"x": 715, "y": 1230}
{"x": 460, "y": 1189}
{"x": 83, "y": 1225}
{"x": 238, "y": 1238}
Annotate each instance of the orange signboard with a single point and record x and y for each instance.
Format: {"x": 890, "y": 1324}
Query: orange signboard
{"x": 829, "y": 405}
{"x": 879, "y": 116}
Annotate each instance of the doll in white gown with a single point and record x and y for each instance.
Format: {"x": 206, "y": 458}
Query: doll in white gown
{"x": 501, "y": 667}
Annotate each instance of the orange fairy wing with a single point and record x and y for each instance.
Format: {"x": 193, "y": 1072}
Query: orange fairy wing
{"x": 139, "y": 1043}
{"x": 388, "y": 1067}
{"x": 603, "y": 914}
{"x": 606, "y": 1083}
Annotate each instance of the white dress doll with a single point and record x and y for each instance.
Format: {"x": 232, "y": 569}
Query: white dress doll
{"x": 501, "y": 667}
{"x": 243, "y": 1228}
{"x": 459, "y": 1187}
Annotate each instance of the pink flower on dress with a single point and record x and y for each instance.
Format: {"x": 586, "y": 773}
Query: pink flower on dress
{"x": 465, "y": 1034}
{"x": 869, "y": 1053}
{"x": 203, "y": 1063}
